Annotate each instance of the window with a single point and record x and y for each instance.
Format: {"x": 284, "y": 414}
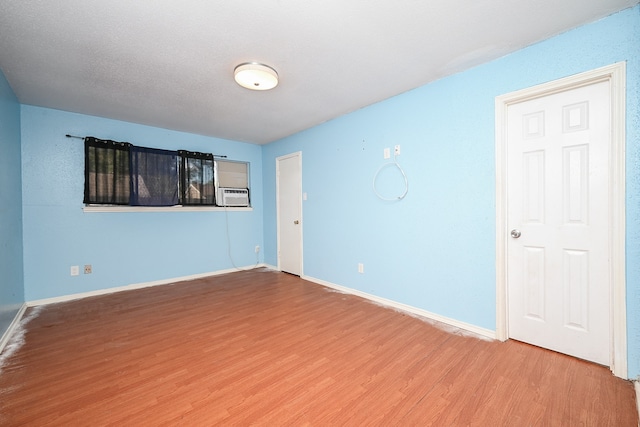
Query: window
{"x": 232, "y": 183}
{"x": 232, "y": 174}
{"x": 119, "y": 173}
{"x": 154, "y": 177}
{"x": 106, "y": 172}
{"x": 196, "y": 184}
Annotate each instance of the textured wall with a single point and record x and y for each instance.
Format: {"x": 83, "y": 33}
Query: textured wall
{"x": 435, "y": 250}
{"x": 123, "y": 248}
{"x": 11, "y": 277}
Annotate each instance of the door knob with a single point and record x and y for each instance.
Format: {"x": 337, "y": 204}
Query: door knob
{"x": 296, "y": 222}
{"x": 515, "y": 233}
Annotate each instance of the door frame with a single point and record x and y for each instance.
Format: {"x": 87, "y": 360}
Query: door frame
{"x": 298, "y": 155}
{"x": 615, "y": 75}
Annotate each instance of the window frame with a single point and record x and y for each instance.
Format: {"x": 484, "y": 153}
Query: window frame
{"x": 217, "y": 180}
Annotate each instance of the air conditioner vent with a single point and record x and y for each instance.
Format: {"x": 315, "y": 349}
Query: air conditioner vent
{"x": 233, "y": 196}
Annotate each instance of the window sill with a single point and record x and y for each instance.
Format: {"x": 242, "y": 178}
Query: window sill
{"x": 165, "y": 209}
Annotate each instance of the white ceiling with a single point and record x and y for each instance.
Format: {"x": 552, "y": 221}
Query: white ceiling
{"x": 169, "y": 63}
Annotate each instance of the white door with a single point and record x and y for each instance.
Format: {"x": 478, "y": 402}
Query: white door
{"x": 289, "y": 212}
{"x": 558, "y": 211}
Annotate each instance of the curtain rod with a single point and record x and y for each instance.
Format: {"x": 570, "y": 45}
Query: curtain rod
{"x": 82, "y": 137}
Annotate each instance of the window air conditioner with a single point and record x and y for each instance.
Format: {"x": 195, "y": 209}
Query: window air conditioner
{"x": 233, "y": 196}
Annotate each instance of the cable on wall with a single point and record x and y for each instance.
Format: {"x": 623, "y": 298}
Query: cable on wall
{"x": 404, "y": 176}
{"x": 226, "y": 217}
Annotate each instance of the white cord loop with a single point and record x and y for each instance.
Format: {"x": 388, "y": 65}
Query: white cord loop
{"x": 404, "y": 176}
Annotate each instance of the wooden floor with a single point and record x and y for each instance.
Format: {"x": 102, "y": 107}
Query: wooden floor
{"x": 267, "y": 348}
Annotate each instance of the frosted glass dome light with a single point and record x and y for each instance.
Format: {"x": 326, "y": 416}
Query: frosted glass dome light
{"x": 255, "y": 76}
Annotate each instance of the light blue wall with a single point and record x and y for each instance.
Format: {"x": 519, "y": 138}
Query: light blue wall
{"x": 11, "y": 277}
{"x": 435, "y": 250}
{"x": 123, "y": 248}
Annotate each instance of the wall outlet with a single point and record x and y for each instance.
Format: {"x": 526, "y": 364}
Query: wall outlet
{"x": 387, "y": 153}
{"x": 360, "y": 267}
{"x": 75, "y": 270}
{"x": 87, "y": 269}
{"x": 257, "y": 249}
{"x": 396, "y": 150}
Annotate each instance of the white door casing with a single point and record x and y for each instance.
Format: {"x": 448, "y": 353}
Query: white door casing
{"x": 289, "y": 212}
{"x": 555, "y": 242}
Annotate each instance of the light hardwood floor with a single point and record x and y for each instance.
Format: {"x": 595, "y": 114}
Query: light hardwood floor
{"x": 267, "y": 348}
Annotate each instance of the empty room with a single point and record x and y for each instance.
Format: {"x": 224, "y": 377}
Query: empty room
{"x": 320, "y": 213}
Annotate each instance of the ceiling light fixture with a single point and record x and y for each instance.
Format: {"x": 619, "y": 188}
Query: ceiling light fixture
{"x": 255, "y": 76}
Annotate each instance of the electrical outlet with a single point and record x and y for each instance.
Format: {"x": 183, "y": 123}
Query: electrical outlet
{"x": 387, "y": 153}
{"x": 257, "y": 249}
{"x": 75, "y": 270}
{"x": 87, "y": 269}
{"x": 396, "y": 150}
{"x": 360, "y": 267}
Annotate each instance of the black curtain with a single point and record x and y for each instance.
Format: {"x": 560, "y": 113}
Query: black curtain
{"x": 106, "y": 172}
{"x": 196, "y": 171}
{"x": 154, "y": 177}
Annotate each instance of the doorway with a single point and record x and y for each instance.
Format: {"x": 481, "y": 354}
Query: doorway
{"x": 289, "y": 212}
{"x": 560, "y": 216}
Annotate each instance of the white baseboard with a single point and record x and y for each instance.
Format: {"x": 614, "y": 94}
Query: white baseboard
{"x": 71, "y": 297}
{"x": 12, "y": 327}
{"x": 476, "y": 330}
